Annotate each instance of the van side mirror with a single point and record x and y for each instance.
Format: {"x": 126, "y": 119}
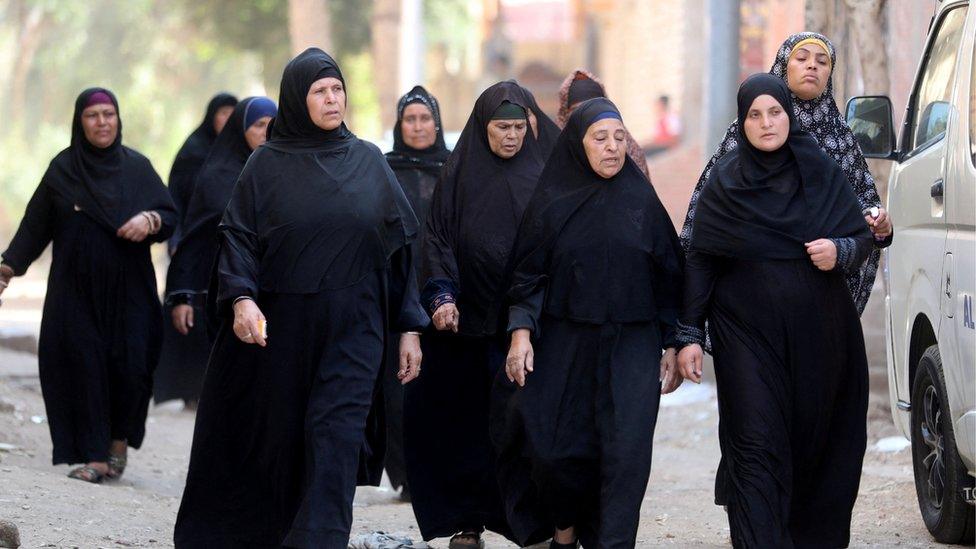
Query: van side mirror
{"x": 870, "y": 118}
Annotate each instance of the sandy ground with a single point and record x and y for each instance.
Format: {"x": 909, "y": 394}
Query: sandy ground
{"x": 138, "y": 511}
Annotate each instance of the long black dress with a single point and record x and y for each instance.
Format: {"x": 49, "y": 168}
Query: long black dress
{"x": 317, "y": 231}
{"x": 100, "y": 329}
{"x": 597, "y": 280}
{"x": 474, "y": 215}
{"x": 184, "y": 357}
{"x": 417, "y": 171}
{"x": 789, "y": 352}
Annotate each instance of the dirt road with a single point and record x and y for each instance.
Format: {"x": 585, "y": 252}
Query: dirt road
{"x": 138, "y": 511}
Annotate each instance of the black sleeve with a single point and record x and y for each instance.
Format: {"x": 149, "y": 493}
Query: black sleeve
{"x": 668, "y": 281}
{"x": 439, "y": 262}
{"x": 406, "y": 312}
{"x": 35, "y": 232}
{"x": 238, "y": 256}
{"x": 699, "y": 281}
{"x": 852, "y": 251}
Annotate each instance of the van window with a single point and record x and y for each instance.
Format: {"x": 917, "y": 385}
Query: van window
{"x": 934, "y": 90}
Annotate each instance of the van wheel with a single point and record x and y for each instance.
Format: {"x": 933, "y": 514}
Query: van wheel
{"x": 940, "y": 476}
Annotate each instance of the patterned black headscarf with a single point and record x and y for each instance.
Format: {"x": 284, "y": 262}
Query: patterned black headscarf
{"x": 821, "y": 118}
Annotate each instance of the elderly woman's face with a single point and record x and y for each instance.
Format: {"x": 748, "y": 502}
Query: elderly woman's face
{"x": 505, "y": 137}
{"x": 418, "y": 126}
{"x": 767, "y": 124}
{"x": 807, "y": 71}
{"x": 605, "y": 146}
{"x": 326, "y": 102}
{"x": 101, "y": 124}
{"x": 257, "y": 133}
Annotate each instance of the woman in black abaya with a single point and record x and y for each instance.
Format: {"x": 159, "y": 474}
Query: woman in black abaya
{"x": 102, "y": 205}
{"x": 776, "y": 229}
{"x": 192, "y": 154}
{"x": 595, "y": 298}
{"x": 806, "y": 62}
{"x": 417, "y": 157}
{"x": 186, "y": 344}
{"x": 476, "y": 208}
{"x": 315, "y": 265}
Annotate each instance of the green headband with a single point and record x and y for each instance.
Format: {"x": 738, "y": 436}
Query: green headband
{"x": 508, "y": 111}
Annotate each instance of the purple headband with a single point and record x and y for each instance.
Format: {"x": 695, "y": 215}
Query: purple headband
{"x": 99, "y": 98}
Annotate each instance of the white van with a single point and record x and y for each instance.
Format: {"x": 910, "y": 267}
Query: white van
{"x": 929, "y": 276}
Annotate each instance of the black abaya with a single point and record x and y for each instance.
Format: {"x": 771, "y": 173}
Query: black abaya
{"x": 474, "y": 215}
{"x": 317, "y": 231}
{"x": 100, "y": 329}
{"x": 184, "y": 357}
{"x": 789, "y": 353}
{"x": 597, "y": 277}
{"x": 417, "y": 171}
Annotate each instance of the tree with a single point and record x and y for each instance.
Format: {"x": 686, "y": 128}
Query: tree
{"x": 309, "y": 25}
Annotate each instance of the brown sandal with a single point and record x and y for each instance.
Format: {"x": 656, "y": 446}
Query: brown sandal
{"x": 87, "y": 473}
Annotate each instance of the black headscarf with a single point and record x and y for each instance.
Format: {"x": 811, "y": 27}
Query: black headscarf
{"x": 313, "y": 209}
{"x": 190, "y": 267}
{"x": 548, "y": 130}
{"x": 430, "y": 159}
{"x": 112, "y": 184}
{"x": 766, "y": 205}
{"x": 591, "y": 216}
{"x": 475, "y": 213}
{"x": 293, "y": 130}
{"x": 189, "y": 159}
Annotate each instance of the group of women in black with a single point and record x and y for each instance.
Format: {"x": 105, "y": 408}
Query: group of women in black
{"x": 533, "y": 273}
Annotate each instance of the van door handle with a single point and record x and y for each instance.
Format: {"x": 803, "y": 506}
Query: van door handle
{"x": 938, "y": 189}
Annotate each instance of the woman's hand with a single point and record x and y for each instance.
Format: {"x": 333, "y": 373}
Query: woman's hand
{"x": 447, "y": 317}
{"x": 881, "y": 225}
{"x": 410, "y": 357}
{"x": 183, "y": 318}
{"x": 670, "y": 377}
{"x": 823, "y": 253}
{"x": 690, "y": 362}
{"x": 135, "y": 229}
{"x": 6, "y": 275}
{"x": 521, "y": 358}
{"x": 248, "y": 322}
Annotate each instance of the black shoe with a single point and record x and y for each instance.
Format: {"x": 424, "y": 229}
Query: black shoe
{"x": 554, "y": 545}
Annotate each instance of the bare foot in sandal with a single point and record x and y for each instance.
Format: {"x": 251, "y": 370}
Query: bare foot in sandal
{"x": 94, "y": 472}
{"x": 117, "y": 458}
{"x": 466, "y": 540}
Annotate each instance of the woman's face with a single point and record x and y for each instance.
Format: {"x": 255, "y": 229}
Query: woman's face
{"x": 807, "y": 71}
{"x": 101, "y": 124}
{"x": 221, "y": 116}
{"x": 505, "y": 137}
{"x": 418, "y": 126}
{"x": 767, "y": 124}
{"x": 326, "y": 102}
{"x": 257, "y": 132}
{"x": 605, "y": 147}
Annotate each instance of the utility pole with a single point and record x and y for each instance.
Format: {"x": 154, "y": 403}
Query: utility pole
{"x": 721, "y": 70}
{"x": 412, "y": 50}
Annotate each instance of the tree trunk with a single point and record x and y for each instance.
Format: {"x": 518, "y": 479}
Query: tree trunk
{"x": 865, "y": 22}
{"x": 816, "y": 16}
{"x": 32, "y": 24}
{"x": 385, "y": 52}
{"x": 865, "y": 19}
{"x": 308, "y": 25}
